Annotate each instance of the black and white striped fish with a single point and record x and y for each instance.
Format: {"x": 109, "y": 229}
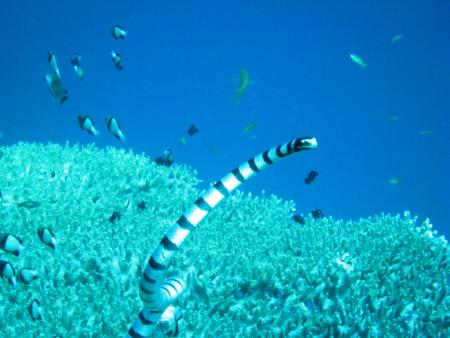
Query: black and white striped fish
{"x": 11, "y": 244}
{"x": 117, "y": 60}
{"x": 114, "y": 128}
{"x": 76, "y": 63}
{"x": 35, "y": 310}
{"x": 56, "y": 88}
{"x": 157, "y": 292}
{"x": 47, "y": 237}
{"x": 86, "y": 123}
{"x": 7, "y": 271}
{"x": 27, "y": 275}
{"x": 52, "y": 61}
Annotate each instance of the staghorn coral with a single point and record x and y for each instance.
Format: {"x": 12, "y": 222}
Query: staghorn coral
{"x": 256, "y": 273}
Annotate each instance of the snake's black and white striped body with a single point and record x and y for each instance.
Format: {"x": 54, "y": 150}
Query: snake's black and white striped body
{"x": 157, "y": 292}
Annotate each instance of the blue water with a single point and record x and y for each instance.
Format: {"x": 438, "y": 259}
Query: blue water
{"x": 182, "y": 61}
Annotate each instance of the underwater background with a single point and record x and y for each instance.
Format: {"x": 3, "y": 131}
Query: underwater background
{"x": 182, "y": 62}
{"x": 381, "y": 119}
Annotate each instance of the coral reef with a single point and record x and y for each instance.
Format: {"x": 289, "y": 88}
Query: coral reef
{"x": 252, "y": 271}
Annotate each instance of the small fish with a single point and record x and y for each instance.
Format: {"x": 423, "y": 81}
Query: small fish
{"x": 397, "y": 37}
{"x": 391, "y": 118}
{"x": 52, "y": 61}
{"x": 166, "y": 159}
{"x": 56, "y": 88}
{"x": 29, "y": 204}
{"x": 118, "y": 33}
{"x": 425, "y": 132}
{"x": 11, "y": 244}
{"x": 244, "y": 83}
{"x": 311, "y": 176}
{"x": 35, "y": 310}
{"x": 7, "y": 271}
{"x": 79, "y": 71}
{"x": 114, "y": 128}
{"x": 87, "y": 124}
{"x": 76, "y": 59}
{"x": 192, "y": 130}
{"x": 27, "y": 275}
{"x": 117, "y": 60}
{"x": 249, "y": 127}
{"x": 299, "y": 219}
{"x": 183, "y": 140}
{"x": 142, "y": 205}
{"x": 356, "y": 59}
{"x": 395, "y": 181}
{"x": 47, "y": 237}
{"x": 116, "y": 215}
{"x": 316, "y": 214}
{"x": 76, "y": 63}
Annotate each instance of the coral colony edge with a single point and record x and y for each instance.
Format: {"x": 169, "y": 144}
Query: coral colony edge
{"x": 78, "y": 224}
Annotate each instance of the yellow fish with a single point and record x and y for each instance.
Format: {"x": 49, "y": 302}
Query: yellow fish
{"x": 395, "y": 181}
{"x": 242, "y": 86}
{"x": 358, "y": 60}
{"x": 425, "y": 132}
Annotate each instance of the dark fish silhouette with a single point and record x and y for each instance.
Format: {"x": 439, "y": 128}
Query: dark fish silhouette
{"x": 115, "y": 216}
{"x": 166, "y": 159}
{"x": 192, "y": 130}
{"x": 311, "y": 176}
{"x": 142, "y": 205}
{"x": 316, "y": 214}
{"x": 299, "y": 219}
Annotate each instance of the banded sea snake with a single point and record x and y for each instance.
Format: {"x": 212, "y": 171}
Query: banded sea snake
{"x": 158, "y": 292}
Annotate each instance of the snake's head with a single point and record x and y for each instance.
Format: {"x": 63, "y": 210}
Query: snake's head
{"x": 305, "y": 143}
